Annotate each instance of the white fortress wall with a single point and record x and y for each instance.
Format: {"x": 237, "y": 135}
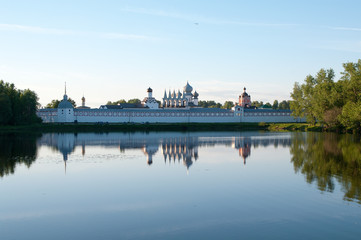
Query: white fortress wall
{"x": 154, "y": 115}
{"x": 200, "y": 115}
{"x": 48, "y": 115}
{"x": 269, "y": 115}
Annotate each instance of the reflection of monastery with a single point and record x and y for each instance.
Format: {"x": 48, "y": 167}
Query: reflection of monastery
{"x": 175, "y": 147}
{"x": 176, "y": 107}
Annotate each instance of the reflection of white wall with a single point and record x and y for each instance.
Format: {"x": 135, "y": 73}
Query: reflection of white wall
{"x": 181, "y": 146}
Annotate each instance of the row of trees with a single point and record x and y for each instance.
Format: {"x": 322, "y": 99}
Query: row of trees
{"x": 276, "y": 105}
{"x": 212, "y": 104}
{"x": 321, "y": 99}
{"x": 17, "y": 106}
{"x": 132, "y": 101}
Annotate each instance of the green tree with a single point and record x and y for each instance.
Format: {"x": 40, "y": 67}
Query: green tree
{"x": 275, "y": 104}
{"x": 351, "y": 115}
{"x": 209, "y": 104}
{"x": 29, "y": 105}
{"x": 17, "y": 106}
{"x": 228, "y": 105}
{"x": 267, "y": 105}
{"x": 55, "y": 103}
{"x": 116, "y": 102}
{"x": 303, "y": 99}
{"x": 257, "y": 104}
{"x": 134, "y": 101}
{"x": 284, "y": 105}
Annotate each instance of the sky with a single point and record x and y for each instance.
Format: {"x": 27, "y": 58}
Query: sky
{"x": 111, "y": 50}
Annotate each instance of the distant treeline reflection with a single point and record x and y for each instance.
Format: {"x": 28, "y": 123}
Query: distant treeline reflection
{"x": 16, "y": 149}
{"x": 326, "y": 157}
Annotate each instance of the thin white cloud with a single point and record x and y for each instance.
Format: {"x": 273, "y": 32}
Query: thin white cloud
{"x": 346, "y": 29}
{"x": 53, "y": 31}
{"x": 32, "y": 29}
{"x": 201, "y": 19}
{"x": 127, "y": 36}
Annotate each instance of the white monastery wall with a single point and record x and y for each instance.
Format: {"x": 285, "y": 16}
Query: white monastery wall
{"x": 165, "y": 116}
{"x": 143, "y": 116}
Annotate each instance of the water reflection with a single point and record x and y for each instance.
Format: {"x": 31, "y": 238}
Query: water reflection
{"x": 326, "y": 157}
{"x": 16, "y": 149}
{"x": 322, "y": 158}
{"x": 174, "y": 146}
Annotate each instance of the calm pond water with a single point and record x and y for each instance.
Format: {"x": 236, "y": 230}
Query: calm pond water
{"x": 180, "y": 185}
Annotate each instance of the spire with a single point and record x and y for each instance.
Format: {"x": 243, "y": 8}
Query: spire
{"x": 165, "y": 94}
{"x": 65, "y": 96}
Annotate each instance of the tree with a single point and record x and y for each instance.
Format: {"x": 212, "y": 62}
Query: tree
{"x": 267, "y": 105}
{"x": 29, "y": 104}
{"x": 5, "y": 109}
{"x": 209, "y": 104}
{"x": 17, "y": 106}
{"x": 302, "y": 96}
{"x": 284, "y": 105}
{"x": 331, "y": 116}
{"x": 116, "y": 102}
{"x": 55, "y": 103}
{"x": 275, "y": 104}
{"x": 257, "y": 104}
{"x": 134, "y": 101}
{"x": 228, "y": 105}
{"x": 352, "y": 81}
{"x": 351, "y": 115}
{"x": 322, "y": 100}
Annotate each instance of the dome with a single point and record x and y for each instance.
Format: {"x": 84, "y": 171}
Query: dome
{"x": 149, "y": 90}
{"x": 244, "y": 94}
{"x": 187, "y": 88}
{"x": 65, "y": 104}
{"x": 196, "y": 94}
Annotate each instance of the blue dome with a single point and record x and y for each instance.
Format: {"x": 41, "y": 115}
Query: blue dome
{"x": 187, "y": 88}
{"x": 65, "y": 103}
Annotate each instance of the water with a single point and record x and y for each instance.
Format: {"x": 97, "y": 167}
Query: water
{"x": 173, "y": 185}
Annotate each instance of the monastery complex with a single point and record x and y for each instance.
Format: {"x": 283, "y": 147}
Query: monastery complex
{"x": 180, "y": 107}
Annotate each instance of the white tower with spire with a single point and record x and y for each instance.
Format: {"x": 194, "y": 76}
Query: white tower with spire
{"x": 65, "y": 110}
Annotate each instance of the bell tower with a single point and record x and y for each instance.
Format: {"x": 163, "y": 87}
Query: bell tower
{"x": 244, "y": 99}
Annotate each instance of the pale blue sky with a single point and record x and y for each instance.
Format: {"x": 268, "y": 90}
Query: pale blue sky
{"x": 110, "y": 50}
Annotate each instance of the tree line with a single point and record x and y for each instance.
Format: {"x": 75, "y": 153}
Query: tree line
{"x": 213, "y": 104}
{"x": 17, "y": 106}
{"x": 131, "y": 101}
{"x": 321, "y": 99}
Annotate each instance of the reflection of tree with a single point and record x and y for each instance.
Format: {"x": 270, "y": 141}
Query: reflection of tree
{"x": 16, "y": 149}
{"x": 324, "y": 158}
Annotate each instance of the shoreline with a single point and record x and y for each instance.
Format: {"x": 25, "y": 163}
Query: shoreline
{"x": 91, "y": 127}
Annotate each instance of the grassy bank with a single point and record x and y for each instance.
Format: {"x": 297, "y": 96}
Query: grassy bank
{"x": 294, "y": 127}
